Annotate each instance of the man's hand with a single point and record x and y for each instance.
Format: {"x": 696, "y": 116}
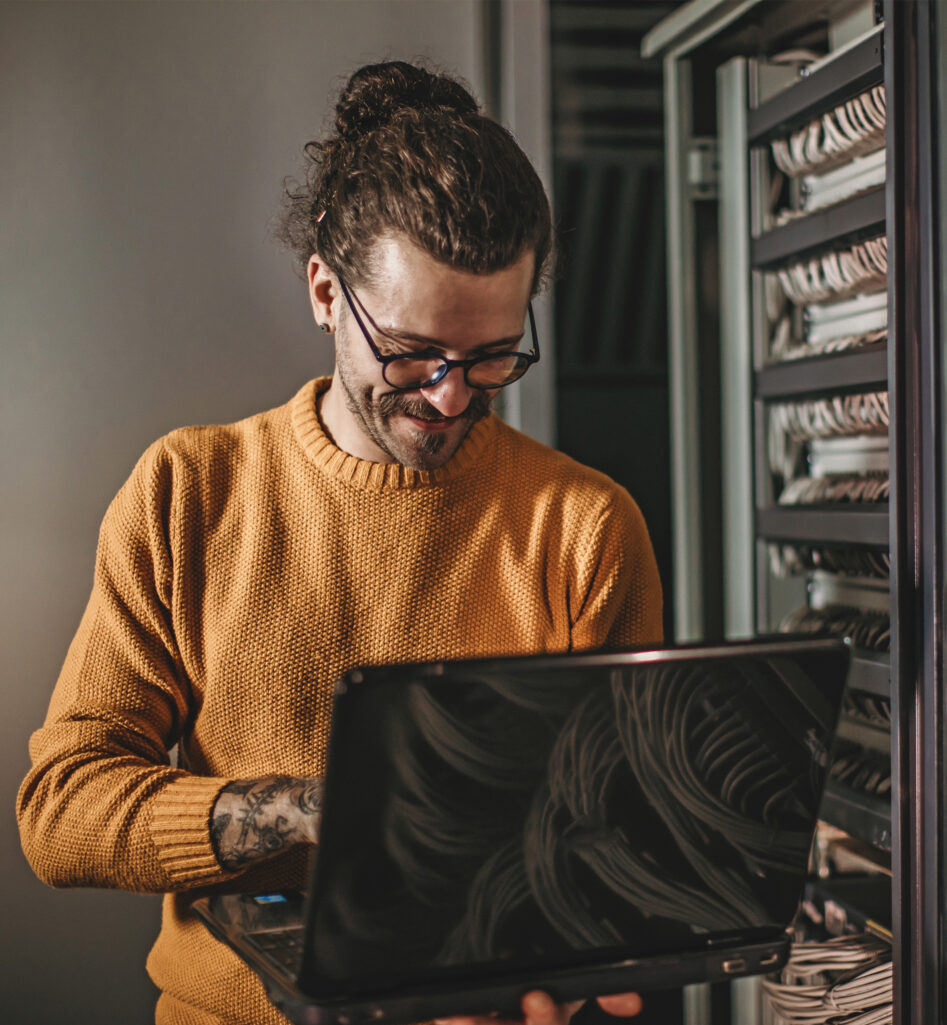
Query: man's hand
{"x": 540, "y": 1009}
{"x": 257, "y": 818}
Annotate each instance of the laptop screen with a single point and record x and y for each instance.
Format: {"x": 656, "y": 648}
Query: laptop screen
{"x": 561, "y": 810}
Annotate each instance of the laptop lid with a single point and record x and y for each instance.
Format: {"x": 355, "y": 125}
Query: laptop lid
{"x": 501, "y": 818}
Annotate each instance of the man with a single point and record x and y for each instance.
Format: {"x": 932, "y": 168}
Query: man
{"x": 382, "y": 515}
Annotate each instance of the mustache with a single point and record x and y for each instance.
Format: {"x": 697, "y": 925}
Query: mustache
{"x": 392, "y": 403}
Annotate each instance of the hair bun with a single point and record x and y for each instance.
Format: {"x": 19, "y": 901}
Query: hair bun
{"x": 376, "y": 92}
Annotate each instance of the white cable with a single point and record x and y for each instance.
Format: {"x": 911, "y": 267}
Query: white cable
{"x": 842, "y": 980}
{"x": 851, "y": 129}
{"x": 860, "y": 269}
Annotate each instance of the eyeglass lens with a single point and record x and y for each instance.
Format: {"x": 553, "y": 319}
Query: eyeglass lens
{"x": 423, "y": 371}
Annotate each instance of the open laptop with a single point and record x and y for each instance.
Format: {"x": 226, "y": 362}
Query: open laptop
{"x": 582, "y": 824}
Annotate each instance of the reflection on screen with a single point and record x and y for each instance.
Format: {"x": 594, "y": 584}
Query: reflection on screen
{"x": 514, "y": 819}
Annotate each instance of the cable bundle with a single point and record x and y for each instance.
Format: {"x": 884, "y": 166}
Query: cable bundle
{"x": 868, "y": 630}
{"x": 784, "y": 347}
{"x": 854, "y": 487}
{"x": 831, "y": 277}
{"x": 789, "y": 560}
{"x": 838, "y": 417}
{"x": 867, "y": 708}
{"x": 846, "y": 980}
{"x": 862, "y": 769}
{"x": 850, "y": 130}
{"x": 791, "y": 425}
{"x": 834, "y": 275}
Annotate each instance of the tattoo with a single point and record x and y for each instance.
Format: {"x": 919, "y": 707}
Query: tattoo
{"x": 252, "y": 815}
{"x": 310, "y": 798}
{"x": 217, "y": 829}
{"x": 254, "y": 819}
{"x": 240, "y": 786}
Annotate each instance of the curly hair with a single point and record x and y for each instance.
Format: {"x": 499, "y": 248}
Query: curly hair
{"x": 412, "y": 154}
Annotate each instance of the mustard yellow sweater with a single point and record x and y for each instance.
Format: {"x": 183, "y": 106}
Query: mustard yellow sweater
{"x": 240, "y": 571}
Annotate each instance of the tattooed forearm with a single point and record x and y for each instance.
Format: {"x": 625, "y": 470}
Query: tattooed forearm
{"x": 257, "y": 818}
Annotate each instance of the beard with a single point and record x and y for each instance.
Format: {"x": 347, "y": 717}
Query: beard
{"x": 414, "y": 448}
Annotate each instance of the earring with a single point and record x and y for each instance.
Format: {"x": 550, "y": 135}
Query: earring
{"x": 324, "y": 327}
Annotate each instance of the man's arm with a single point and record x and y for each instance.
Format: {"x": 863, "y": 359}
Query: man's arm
{"x": 616, "y": 597}
{"x": 257, "y": 818}
{"x": 102, "y": 805}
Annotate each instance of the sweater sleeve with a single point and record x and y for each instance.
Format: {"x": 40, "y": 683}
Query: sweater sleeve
{"x": 618, "y": 600}
{"x": 102, "y": 805}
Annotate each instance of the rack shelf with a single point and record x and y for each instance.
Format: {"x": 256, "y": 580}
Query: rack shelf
{"x": 864, "y": 370}
{"x": 847, "y": 75}
{"x": 824, "y": 524}
{"x": 863, "y": 816}
{"x": 871, "y": 672}
{"x": 854, "y": 219}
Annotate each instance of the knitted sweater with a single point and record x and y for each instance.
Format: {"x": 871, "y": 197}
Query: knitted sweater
{"x": 240, "y": 571}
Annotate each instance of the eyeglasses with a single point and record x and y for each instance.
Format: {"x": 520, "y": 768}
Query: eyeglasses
{"x": 409, "y": 370}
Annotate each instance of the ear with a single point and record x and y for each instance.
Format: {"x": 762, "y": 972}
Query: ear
{"x": 323, "y": 292}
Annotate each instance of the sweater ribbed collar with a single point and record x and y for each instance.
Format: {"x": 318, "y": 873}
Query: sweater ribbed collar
{"x": 363, "y": 473}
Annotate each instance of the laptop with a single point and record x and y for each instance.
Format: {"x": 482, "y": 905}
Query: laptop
{"x": 582, "y": 824}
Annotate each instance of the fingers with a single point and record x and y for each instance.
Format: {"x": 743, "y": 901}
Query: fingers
{"x": 622, "y": 1005}
{"x": 540, "y": 1009}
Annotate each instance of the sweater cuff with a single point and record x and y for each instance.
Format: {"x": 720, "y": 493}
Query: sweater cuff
{"x": 180, "y": 829}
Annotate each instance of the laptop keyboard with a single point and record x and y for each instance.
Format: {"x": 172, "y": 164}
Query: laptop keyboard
{"x": 283, "y": 946}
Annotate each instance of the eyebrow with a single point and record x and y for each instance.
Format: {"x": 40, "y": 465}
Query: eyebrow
{"x": 399, "y": 335}
{"x": 434, "y": 343}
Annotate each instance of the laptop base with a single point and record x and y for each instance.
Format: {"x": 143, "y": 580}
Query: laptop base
{"x": 489, "y": 996}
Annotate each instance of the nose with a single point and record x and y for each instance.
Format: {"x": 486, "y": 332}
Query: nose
{"x": 451, "y": 395}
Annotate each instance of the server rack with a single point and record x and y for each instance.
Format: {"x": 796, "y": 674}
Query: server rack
{"x": 829, "y": 461}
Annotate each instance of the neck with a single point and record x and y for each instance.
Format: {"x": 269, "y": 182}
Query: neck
{"x": 343, "y": 428}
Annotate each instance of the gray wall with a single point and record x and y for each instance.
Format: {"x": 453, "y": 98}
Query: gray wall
{"x": 143, "y": 146}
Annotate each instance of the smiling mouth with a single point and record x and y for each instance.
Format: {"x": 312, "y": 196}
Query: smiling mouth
{"x": 433, "y": 423}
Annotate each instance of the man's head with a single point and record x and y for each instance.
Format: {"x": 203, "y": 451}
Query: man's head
{"x": 439, "y": 228}
{"x": 412, "y": 155}
{"x": 415, "y": 305}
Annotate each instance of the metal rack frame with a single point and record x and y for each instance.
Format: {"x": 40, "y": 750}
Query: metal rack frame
{"x": 871, "y": 673}
{"x": 864, "y": 816}
{"x": 906, "y": 55}
{"x": 861, "y": 815}
{"x": 914, "y": 78}
{"x": 862, "y": 216}
{"x": 857, "y": 218}
{"x": 826, "y": 525}
{"x": 865, "y": 370}
{"x": 847, "y": 75}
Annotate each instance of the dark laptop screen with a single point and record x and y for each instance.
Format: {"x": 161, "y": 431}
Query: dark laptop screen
{"x": 536, "y": 812}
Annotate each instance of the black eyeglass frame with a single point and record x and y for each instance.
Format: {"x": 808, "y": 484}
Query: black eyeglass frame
{"x": 446, "y": 364}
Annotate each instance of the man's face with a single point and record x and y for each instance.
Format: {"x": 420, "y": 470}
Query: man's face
{"x": 415, "y": 304}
